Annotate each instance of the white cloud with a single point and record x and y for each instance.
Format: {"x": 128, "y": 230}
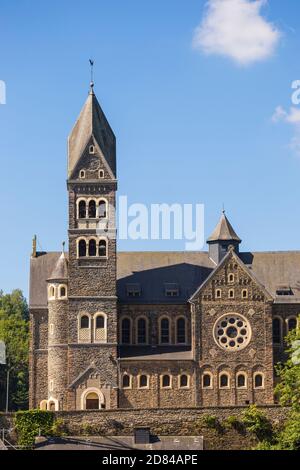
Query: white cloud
{"x": 291, "y": 117}
{"x": 236, "y": 29}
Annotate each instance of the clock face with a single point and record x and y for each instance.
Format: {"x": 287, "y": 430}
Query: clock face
{"x": 232, "y": 332}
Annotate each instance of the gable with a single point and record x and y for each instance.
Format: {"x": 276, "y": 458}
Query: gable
{"x": 92, "y": 163}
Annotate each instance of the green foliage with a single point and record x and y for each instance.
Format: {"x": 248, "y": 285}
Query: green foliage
{"x": 59, "y": 428}
{"x": 256, "y": 422}
{"x": 234, "y": 423}
{"x": 211, "y": 422}
{"x": 30, "y": 424}
{"x": 14, "y": 331}
{"x": 288, "y": 390}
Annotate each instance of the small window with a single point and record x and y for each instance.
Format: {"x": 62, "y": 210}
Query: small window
{"x": 258, "y": 380}
{"x": 171, "y": 290}
{"x": 82, "y": 210}
{"x": 166, "y": 381}
{"x": 92, "y": 209}
{"x": 101, "y": 174}
{"x": 184, "y": 381}
{"x": 84, "y": 322}
{"x": 218, "y": 294}
{"x": 51, "y": 329}
{"x": 224, "y": 381}
{"x": 100, "y": 321}
{"x": 181, "y": 331}
{"x": 207, "y": 381}
{"x": 126, "y": 382}
{"x": 82, "y": 248}
{"x": 51, "y": 292}
{"x": 102, "y": 249}
{"x": 82, "y": 174}
{"x": 231, "y": 294}
{"x": 102, "y": 210}
{"x": 92, "y": 248}
{"x": 165, "y": 331}
{"x": 244, "y": 294}
{"x": 100, "y": 329}
{"x": 241, "y": 380}
{"x": 230, "y": 278}
{"x": 92, "y": 149}
{"x": 62, "y": 292}
{"x": 133, "y": 290}
{"x": 143, "y": 381}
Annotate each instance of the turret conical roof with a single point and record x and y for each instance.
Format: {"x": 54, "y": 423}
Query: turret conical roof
{"x": 224, "y": 231}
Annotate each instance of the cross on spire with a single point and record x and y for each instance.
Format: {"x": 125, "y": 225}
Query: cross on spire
{"x": 92, "y": 74}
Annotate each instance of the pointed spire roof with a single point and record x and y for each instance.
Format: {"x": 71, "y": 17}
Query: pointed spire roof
{"x": 91, "y": 123}
{"x": 60, "y": 271}
{"x": 224, "y": 231}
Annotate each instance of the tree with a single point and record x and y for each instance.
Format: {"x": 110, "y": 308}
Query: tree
{"x": 14, "y": 331}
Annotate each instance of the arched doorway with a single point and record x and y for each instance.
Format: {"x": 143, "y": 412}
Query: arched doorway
{"x": 51, "y": 406}
{"x": 92, "y": 399}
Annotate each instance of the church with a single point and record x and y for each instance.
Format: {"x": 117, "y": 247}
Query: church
{"x": 119, "y": 330}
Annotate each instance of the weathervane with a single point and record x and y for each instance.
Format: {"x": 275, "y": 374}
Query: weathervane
{"x": 92, "y": 73}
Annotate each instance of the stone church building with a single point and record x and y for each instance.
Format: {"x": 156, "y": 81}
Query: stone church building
{"x": 151, "y": 330}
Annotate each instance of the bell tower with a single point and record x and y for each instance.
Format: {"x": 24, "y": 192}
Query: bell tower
{"x": 92, "y": 189}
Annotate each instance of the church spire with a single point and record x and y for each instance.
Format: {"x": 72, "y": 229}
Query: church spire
{"x": 222, "y": 238}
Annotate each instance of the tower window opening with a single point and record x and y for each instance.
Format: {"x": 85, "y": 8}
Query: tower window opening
{"x": 82, "y": 248}
{"x": 92, "y": 149}
{"x": 102, "y": 248}
{"x": 92, "y": 248}
{"x": 102, "y": 210}
{"x": 82, "y": 174}
{"x": 92, "y": 209}
{"x": 82, "y": 210}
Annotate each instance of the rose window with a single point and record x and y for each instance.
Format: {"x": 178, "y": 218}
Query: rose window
{"x": 232, "y": 332}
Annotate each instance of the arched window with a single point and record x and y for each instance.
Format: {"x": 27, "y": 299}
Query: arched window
{"x": 126, "y": 331}
{"x": 126, "y": 381}
{"x": 244, "y": 294}
{"x": 218, "y": 294}
{"x": 184, "y": 381}
{"x": 165, "y": 331}
{"x": 82, "y": 174}
{"x": 62, "y": 292}
{"x": 181, "y": 331}
{"x": 92, "y": 149}
{"x": 102, "y": 210}
{"x": 224, "y": 381}
{"x": 43, "y": 405}
{"x": 84, "y": 322}
{"x": 51, "y": 292}
{"x": 102, "y": 248}
{"x": 207, "y": 380}
{"x": 241, "y": 381}
{"x": 291, "y": 324}
{"x": 101, "y": 174}
{"x": 258, "y": 380}
{"x": 231, "y": 294}
{"x": 92, "y": 248}
{"x": 92, "y": 209}
{"x": 141, "y": 331}
{"x": 82, "y": 210}
{"x": 92, "y": 401}
{"x": 82, "y": 248}
{"x": 100, "y": 329}
{"x": 143, "y": 381}
{"x": 84, "y": 333}
{"x": 277, "y": 331}
{"x": 231, "y": 278}
{"x": 166, "y": 381}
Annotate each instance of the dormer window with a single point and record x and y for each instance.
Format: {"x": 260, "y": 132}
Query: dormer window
{"x": 82, "y": 174}
{"x": 92, "y": 150}
{"x": 101, "y": 174}
{"x": 133, "y": 290}
{"x": 171, "y": 290}
{"x": 284, "y": 291}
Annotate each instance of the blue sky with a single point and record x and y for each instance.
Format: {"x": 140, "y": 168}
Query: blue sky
{"x": 193, "y": 122}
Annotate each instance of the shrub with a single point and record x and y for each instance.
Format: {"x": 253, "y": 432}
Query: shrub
{"x": 212, "y": 422}
{"x": 256, "y": 422}
{"x": 234, "y": 423}
{"x": 30, "y": 424}
{"x": 59, "y": 428}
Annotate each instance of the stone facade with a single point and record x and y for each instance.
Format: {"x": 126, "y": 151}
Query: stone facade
{"x": 180, "y": 332}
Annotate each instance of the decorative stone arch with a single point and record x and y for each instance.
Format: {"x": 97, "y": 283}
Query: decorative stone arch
{"x": 78, "y": 240}
{"x": 187, "y": 375}
{"x": 52, "y": 404}
{"x": 52, "y": 292}
{"x": 44, "y": 405}
{"x": 258, "y": 371}
{"x": 145, "y": 318}
{"x": 100, "y": 333}
{"x": 207, "y": 371}
{"x": 84, "y": 334}
{"x": 170, "y": 377}
{"x": 223, "y": 370}
{"x": 62, "y": 291}
{"x": 92, "y": 392}
{"x": 78, "y": 202}
{"x": 240, "y": 372}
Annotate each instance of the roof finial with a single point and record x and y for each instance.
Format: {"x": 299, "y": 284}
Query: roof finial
{"x": 92, "y": 75}
{"x": 63, "y": 246}
{"x": 34, "y": 253}
{"x": 223, "y": 209}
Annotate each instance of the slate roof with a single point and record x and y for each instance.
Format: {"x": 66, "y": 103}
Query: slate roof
{"x": 152, "y": 270}
{"x": 60, "y": 270}
{"x": 224, "y": 231}
{"x": 91, "y": 122}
